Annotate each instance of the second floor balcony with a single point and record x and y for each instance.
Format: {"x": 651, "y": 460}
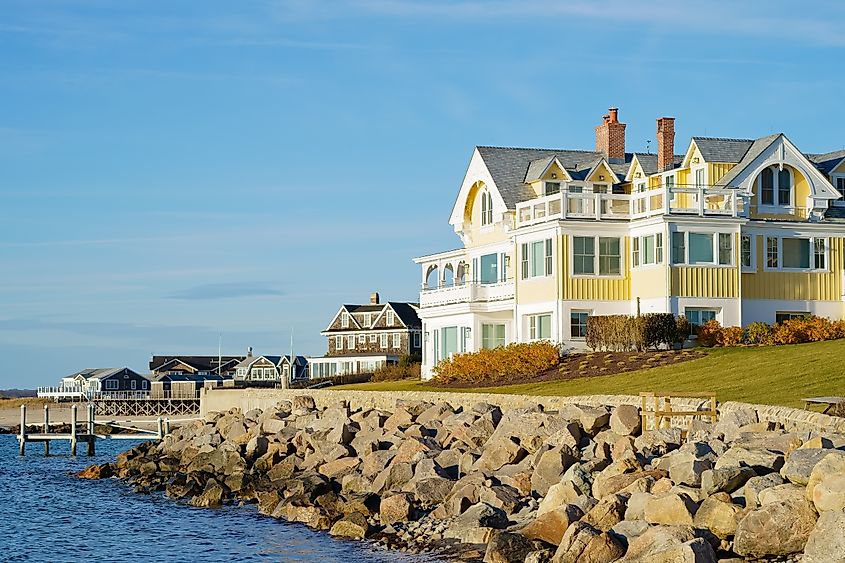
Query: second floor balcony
{"x": 466, "y": 292}
{"x": 666, "y": 200}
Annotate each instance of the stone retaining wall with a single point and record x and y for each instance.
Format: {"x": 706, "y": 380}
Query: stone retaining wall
{"x": 214, "y": 400}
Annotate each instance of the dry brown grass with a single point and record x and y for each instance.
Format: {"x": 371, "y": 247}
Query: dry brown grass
{"x": 28, "y": 401}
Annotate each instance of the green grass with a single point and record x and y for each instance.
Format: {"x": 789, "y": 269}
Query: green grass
{"x": 776, "y": 375}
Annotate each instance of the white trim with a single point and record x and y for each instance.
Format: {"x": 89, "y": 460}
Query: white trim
{"x": 781, "y": 268}
{"x": 596, "y": 256}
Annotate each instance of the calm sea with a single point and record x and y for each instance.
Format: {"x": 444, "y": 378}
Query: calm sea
{"x": 46, "y": 514}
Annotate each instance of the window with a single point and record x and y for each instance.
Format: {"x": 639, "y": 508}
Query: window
{"x": 698, "y": 317}
{"x": 489, "y": 268}
{"x": 540, "y": 327}
{"x": 647, "y": 250}
{"x": 486, "y": 208}
{"x": 536, "y": 259}
{"x": 578, "y": 324}
{"x": 840, "y": 186}
{"x": 775, "y": 186}
{"x": 700, "y": 248}
{"x": 448, "y": 342}
{"x": 397, "y": 340}
{"x": 144, "y": 384}
{"x": 344, "y": 320}
{"x": 552, "y": 188}
{"x": 781, "y": 316}
{"x": 584, "y": 255}
{"x": 373, "y": 338}
{"x": 796, "y": 252}
{"x": 112, "y": 384}
{"x": 383, "y": 341}
{"x": 610, "y": 256}
{"x": 819, "y": 254}
{"x": 641, "y": 187}
{"x": 362, "y": 339}
{"x": 670, "y": 181}
{"x": 133, "y": 384}
{"x": 679, "y": 248}
{"x": 416, "y": 340}
{"x": 745, "y": 250}
{"x": 492, "y": 335}
{"x": 350, "y": 342}
{"x": 390, "y": 318}
{"x": 699, "y": 178}
{"x": 772, "y": 255}
{"x": 338, "y": 342}
{"x": 725, "y": 249}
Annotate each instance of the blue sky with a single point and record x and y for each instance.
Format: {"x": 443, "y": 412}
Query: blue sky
{"x": 171, "y": 170}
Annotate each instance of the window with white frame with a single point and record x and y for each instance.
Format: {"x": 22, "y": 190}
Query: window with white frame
{"x": 344, "y": 320}
{"x": 384, "y": 340}
{"x": 698, "y": 317}
{"x": 397, "y": 340}
{"x": 492, "y": 335}
{"x": 647, "y": 250}
{"x": 390, "y": 318}
{"x": 338, "y": 342}
{"x": 112, "y": 384}
{"x": 699, "y": 178}
{"x": 368, "y": 319}
{"x": 417, "y": 337}
{"x": 536, "y": 259}
{"x": 669, "y": 181}
{"x": 362, "y": 338}
{"x": 486, "y": 208}
{"x": 350, "y": 342}
{"x": 781, "y": 316}
{"x": 540, "y": 327}
{"x": 578, "y": 324}
{"x": 702, "y": 248}
{"x": 796, "y": 253}
{"x": 587, "y": 262}
{"x": 746, "y": 245}
{"x": 775, "y": 186}
{"x": 839, "y": 182}
{"x": 373, "y": 338}
{"x": 133, "y": 385}
{"x": 551, "y": 188}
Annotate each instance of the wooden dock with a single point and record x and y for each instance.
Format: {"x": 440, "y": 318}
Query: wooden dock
{"x": 85, "y": 431}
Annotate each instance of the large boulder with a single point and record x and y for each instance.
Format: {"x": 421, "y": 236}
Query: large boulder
{"x": 626, "y": 420}
{"x": 352, "y": 526}
{"x": 550, "y": 526}
{"x": 500, "y": 453}
{"x": 686, "y": 469}
{"x": 594, "y": 419}
{"x": 781, "y": 493}
{"x": 826, "y": 543}
{"x": 659, "y": 442}
{"x": 831, "y": 464}
{"x": 755, "y": 485}
{"x": 777, "y": 529}
{"x": 476, "y": 525}
{"x": 829, "y": 494}
{"x": 800, "y": 463}
{"x": 761, "y": 461}
{"x": 725, "y": 479}
{"x": 658, "y": 540}
{"x": 718, "y": 514}
{"x": 550, "y": 468}
{"x": 583, "y": 543}
{"x": 607, "y": 513}
{"x": 395, "y": 508}
{"x": 670, "y": 509}
{"x": 507, "y": 547}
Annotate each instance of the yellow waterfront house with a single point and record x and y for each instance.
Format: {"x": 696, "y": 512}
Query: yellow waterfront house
{"x": 737, "y": 230}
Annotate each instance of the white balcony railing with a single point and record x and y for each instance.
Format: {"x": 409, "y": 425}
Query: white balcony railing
{"x": 666, "y": 200}
{"x": 466, "y": 293}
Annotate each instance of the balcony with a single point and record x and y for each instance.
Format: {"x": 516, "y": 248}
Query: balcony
{"x": 466, "y": 293}
{"x": 667, "y": 200}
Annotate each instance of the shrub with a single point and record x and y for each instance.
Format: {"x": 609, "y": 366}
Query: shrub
{"x": 792, "y": 331}
{"x": 397, "y": 372}
{"x": 657, "y": 329}
{"x": 708, "y": 333}
{"x": 758, "y": 333}
{"x": 683, "y": 329}
{"x": 623, "y": 333}
{"x": 730, "y": 336}
{"x": 498, "y": 364}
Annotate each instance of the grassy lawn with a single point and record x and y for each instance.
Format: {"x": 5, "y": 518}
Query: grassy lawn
{"x": 777, "y": 375}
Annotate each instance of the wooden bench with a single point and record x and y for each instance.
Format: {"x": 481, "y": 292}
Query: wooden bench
{"x": 663, "y": 411}
{"x": 829, "y": 401}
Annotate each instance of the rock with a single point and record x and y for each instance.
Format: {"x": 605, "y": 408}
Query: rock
{"x": 550, "y": 525}
{"x": 800, "y": 463}
{"x": 686, "y": 469}
{"x": 256, "y": 447}
{"x": 781, "y": 493}
{"x": 502, "y": 452}
{"x": 102, "y": 471}
{"x": 655, "y": 540}
{"x": 550, "y": 468}
{"x": 626, "y": 420}
{"x": 395, "y": 508}
{"x": 754, "y": 485}
{"x": 635, "y": 507}
{"x": 476, "y": 524}
{"x": 658, "y": 442}
{"x": 818, "y": 442}
{"x": 628, "y": 530}
{"x": 831, "y": 464}
{"x": 761, "y": 461}
{"x": 559, "y": 495}
{"x": 607, "y": 513}
{"x": 617, "y": 483}
{"x": 603, "y": 482}
{"x": 393, "y": 478}
{"x": 829, "y": 494}
{"x": 718, "y": 514}
{"x": 725, "y": 479}
{"x": 352, "y": 526}
{"x": 670, "y": 509}
{"x": 431, "y": 490}
{"x": 594, "y": 419}
{"x": 303, "y": 402}
{"x": 584, "y": 544}
{"x": 339, "y": 467}
{"x": 693, "y": 551}
{"x": 777, "y": 529}
{"x": 826, "y": 543}
{"x": 212, "y": 496}
{"x": 413, "y": 450}
{"x": 506, "y": 547}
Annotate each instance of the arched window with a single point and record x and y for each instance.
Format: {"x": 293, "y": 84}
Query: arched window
{"x": 775, "y": 186}
{"x": 432, "y": 278}
{"x": 486, "y": 208}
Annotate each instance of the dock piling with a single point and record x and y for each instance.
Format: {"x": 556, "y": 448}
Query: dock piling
{"x": 91, "y": 437}
{"x": 73, "y": 430}
{"x": 160, "y": 426}
{"x": 46, "y": 429}
{"x": 23, "y": 430}
{"x": 167, "y": 426}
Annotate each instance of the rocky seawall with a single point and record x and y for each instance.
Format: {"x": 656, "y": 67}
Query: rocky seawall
{"x": 482, "y": 482}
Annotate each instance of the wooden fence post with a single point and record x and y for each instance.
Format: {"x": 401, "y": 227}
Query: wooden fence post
{"x": 46, "y": 429}
{"x": 23, "y": 430}
{"x": 160, "y": 424}
{"x": 73, "y": 430}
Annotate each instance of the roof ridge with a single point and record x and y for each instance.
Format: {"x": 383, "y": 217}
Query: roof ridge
{"x": 725, "y": 139}
{"x": 534, "y": 149}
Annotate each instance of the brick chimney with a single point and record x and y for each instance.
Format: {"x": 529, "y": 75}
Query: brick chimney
{"x": 374, "y": 298}
{"x": 665, "y": 143}
{"x": 610, "y": 135}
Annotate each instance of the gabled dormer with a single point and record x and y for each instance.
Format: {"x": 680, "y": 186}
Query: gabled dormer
{"x": 343, "y": 320}
{"x": 547, "y": 176}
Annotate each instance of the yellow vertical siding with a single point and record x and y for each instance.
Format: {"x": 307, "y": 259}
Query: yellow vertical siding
{"x": 702, "y": 281}
{"x": 715, "y": 170}
{"x": 814, "y": 286}
{"x": 595, "y": 288}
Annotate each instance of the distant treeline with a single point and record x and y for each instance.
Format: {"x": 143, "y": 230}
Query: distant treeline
{"x": 17, "y": 393}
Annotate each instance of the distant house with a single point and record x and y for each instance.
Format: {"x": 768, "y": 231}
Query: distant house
{"x": 90, "y": 383}
{"x": 223, "y": 366}
{"x": 183, "y": 385}
{"x": 270, "y": 369}
{"x": 362, "y": 338}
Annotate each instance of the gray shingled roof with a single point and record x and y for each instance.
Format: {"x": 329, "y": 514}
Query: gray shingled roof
{"x": 716, "y": 149}
{"x": 757, "y": 147}
{"x": 827, "y": 161}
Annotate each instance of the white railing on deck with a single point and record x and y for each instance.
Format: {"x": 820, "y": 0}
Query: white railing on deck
{"x": 685, "y": 200}
{"x": 466, "y": 293}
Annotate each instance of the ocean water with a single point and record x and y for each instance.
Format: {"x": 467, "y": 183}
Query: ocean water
{"x": 47, "y": 514}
